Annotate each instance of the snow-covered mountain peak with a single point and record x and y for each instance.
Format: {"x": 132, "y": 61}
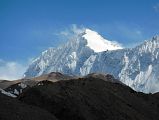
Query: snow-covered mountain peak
{"x": 97, "y": 43}
{"x": 149, "y": 45}
{"x": 83, "y": 54}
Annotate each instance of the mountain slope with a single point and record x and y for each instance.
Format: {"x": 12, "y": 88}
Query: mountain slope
{"x": 12, "y": 109}
{"x": 137, "y": 67}
{"x": 17, "y": 87}
{"x": 88, "y": 52}
{"x": 97, "y": 43}
{"x": 70, "y": 57}
{"x": 6, "y": 83}
{"x": 92, "y": 98}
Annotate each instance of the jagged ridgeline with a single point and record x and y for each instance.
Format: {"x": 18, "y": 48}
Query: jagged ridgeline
{"x": 88, "y": 52}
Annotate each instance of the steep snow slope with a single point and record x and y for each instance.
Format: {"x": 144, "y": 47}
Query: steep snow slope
{"x": 141, "y": 66}
{"x": 88, "y": 52}
{"x": 137, "y": 67}
{"x": 98, "y": 43}
{"x": 69, "y": 57}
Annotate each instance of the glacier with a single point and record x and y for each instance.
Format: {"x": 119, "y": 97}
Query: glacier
{"x": 88, "y": 52}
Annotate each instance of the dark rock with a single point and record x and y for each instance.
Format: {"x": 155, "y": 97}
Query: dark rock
{"x": 92, "y": 98}
{"x": 12, "y": 109}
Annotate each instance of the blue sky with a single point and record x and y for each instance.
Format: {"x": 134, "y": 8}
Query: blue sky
{"x": 27, "y": 27}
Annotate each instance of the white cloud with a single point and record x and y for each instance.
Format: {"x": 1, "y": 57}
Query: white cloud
{"x": 77, "y": 30}
{"x": 129, "y": 35}
{"x": 156, "y": 7}
{"x": 71, "y": 31}
{"x": 11, "y": 70}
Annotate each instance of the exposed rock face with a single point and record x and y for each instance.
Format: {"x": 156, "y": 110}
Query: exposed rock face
{"x": 14, "y": 88}
{"x": 137, "y": 67}
{"x": 70, "y": 57}
{"x": 5, "y": 83}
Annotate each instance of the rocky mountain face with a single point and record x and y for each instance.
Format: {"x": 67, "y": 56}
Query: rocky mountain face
{"x": 16, "y": 87}
{"x": 137, "y": 67}
{"x": 88, "y": 52}
{"x": 94, "y": 97}
{"x": 69, "y": 58}
{"x": 13, "y": 109}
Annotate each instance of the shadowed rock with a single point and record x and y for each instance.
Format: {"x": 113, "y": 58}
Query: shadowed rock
{"x": 92, "y": 98}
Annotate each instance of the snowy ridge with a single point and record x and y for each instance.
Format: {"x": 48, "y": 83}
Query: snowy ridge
{"x": 70, "y": 56}
{"x": 88, "y": 52}
{"x": 98, "y": 43}
{"x": 7, "y": 93}
{"x": 137, "y": 67}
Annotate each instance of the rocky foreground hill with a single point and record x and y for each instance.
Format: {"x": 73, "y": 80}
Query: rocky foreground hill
{"x": 93, "y": 97}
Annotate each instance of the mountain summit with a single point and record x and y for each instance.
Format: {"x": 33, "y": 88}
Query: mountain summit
{"x": 97, "y": 43}
{"x": 69, "y": 58}
{"x": 88, "y": 52}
